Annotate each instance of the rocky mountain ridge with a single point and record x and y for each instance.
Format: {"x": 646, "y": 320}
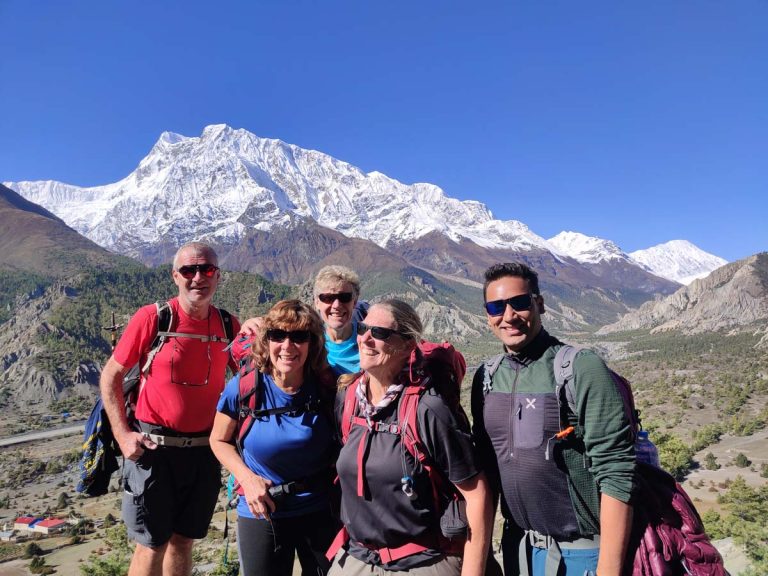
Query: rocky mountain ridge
{"x": 36, "y": 241}
{"x": 732, "y": 297}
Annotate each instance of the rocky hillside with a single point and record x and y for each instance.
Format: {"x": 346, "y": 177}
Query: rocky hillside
{"x": 734, "y": 296}
{"x": 33, "y": 372}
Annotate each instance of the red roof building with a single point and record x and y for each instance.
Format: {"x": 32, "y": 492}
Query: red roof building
{"x": 26, "y": 522}
{"x": 50, "y": 525}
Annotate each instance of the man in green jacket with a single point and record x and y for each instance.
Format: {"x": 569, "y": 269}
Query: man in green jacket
{"x": 565, "y": 479}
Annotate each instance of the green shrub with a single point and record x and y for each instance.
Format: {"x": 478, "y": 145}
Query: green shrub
{"x": 742, "y": 461}
{"x": 711, "y": 462}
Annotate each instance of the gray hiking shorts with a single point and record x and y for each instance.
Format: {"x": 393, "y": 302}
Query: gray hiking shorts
{"x": 170, "y": 491}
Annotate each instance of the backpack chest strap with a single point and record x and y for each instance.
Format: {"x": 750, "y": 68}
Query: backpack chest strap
{"x": 310, "y": 406}
{"x": 201, "y": 337}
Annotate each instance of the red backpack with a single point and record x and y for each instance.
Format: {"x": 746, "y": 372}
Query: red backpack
{"x": 431, "y": 364}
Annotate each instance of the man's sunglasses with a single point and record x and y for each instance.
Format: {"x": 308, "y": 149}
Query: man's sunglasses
{"x": 518, "y": 303}
{"x": 378, "y": 332}
{"x": 189, "y": 271}
{"x": 295, "y": 336}
{"x": 343, "y": 297}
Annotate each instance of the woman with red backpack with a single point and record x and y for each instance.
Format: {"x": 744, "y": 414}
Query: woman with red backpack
{"x": 406, "y": 469}
{"x": 282, "y": 458}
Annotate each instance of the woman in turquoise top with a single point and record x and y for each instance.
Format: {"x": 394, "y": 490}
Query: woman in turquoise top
{"x": 336, "y": 292}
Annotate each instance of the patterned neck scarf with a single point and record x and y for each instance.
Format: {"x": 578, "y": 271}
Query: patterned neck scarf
{"x": 368, "y": 410}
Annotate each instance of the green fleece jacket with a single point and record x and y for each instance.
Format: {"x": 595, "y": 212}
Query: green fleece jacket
{"x": 548, "y": 484}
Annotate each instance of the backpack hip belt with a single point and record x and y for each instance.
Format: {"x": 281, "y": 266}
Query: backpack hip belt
{"x": 386, "y": 555}
{"x": 539, "y": 540}
{"x": 168, "y": 438}
{"x": 177, "y": 441}
{"x": 554, "y": 549}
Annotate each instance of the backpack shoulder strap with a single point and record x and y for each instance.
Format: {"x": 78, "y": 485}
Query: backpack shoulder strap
{"x": 408, "y": 418}
{"x": 164, "y": 323}
{"x": 348, "y": 412}
{"x": 226, "y": 323}
{"x": 247, "y": 398}
{"x": 563, "y": 368}
{"x": 490, "y": 367}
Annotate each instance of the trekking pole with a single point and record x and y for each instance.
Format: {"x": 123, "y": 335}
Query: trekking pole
{"x": 113, "y": 330}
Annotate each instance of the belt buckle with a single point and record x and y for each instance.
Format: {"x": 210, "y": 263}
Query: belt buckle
{"x": 290, "y": 487}
{"x": 539, "y": 540}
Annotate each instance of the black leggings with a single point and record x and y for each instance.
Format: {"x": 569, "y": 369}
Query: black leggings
{"x": 268, "y": 548}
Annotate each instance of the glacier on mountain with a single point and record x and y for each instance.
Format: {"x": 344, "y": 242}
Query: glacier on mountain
{"x": 227, "y": 181}
{"x": 586, "y": 249}
{"x": 678, "y": 260}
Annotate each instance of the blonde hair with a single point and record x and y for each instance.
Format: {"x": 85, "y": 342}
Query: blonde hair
{"x": 333, "y": 274}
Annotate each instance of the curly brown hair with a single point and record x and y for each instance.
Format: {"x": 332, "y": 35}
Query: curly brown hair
{"x": 292, "y": 315}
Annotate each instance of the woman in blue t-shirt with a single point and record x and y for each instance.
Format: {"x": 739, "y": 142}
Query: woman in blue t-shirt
{"x": 283, "y": 464}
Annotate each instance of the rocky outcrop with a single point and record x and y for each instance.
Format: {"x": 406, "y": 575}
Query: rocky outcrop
{"x": 733, "y": 296}
{"x": 30, "y": 372}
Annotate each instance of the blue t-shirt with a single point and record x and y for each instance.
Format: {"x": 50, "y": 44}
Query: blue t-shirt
{"x": 284, "y": 447}
{"x": 344, "y": 357}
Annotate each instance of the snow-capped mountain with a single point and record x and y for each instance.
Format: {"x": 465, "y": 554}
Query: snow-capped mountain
{"x": 586, "y": 249}
{"x": 678, "y": 260}
{"x": 231, "y": 187}
{"x": 228, "y": 182}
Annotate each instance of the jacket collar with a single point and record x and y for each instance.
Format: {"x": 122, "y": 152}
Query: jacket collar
{"x": 535, "y": 349}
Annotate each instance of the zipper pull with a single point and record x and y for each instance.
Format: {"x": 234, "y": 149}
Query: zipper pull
{"x": 559, "y": 436}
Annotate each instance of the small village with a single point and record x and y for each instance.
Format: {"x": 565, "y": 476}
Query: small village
{"x": 25, "y": 527}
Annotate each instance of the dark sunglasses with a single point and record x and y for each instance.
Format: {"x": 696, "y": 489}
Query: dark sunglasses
{"x": 343, "y": 297}
{"x": 189, "y": 271}
{"x": 519, "y": 304}
{"x": 378, "y": 332}
{"x": 295, "y": 336}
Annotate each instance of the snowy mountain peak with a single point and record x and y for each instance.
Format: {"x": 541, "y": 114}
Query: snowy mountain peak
{"x": 678, "y": 260}
{"x": 228, "y": 181}
{"x": 170, "y": 138}
{"x": 586, "y": 249}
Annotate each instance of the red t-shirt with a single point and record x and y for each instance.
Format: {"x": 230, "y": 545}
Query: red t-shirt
{"x": 187, "y": 374}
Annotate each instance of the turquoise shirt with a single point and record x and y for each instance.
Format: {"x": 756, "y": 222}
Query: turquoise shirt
{"x": 344, "y": 357}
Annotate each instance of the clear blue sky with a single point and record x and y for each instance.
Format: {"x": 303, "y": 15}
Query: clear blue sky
{"x": 639, "y": 122}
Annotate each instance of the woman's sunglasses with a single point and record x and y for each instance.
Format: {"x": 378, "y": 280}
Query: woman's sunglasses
{"x": 295, "y": 336}
{"x": 343, "y": 297}
{"x": 518, "y": 303}
{"x": 189, "y": 271}
{"x": 378, "y": 332}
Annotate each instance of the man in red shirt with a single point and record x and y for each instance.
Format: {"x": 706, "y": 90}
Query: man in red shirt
{"x": 171, "y": 478}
